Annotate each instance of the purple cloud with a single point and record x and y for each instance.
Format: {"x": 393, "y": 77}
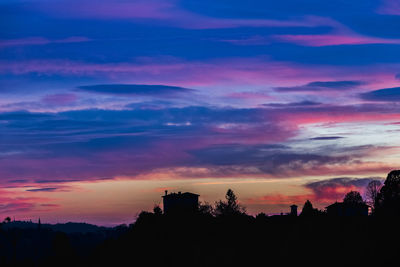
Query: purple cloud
{"x": 333, "y": 39}
{"x": 60, "y": 99}
{"x": 135, "y": 89}
{"x": 389, "y": 7}
{"x": 317, "y": 86}
{"x": 46, "y": 189}
{"x": 323, "y": 138}
{"x": 336, "y": 188}
{"x": 41, "y": 41}
{"x": 386, "y": 95}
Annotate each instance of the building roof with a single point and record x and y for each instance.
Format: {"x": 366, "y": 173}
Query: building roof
{"x": 186, "y": 194}
{"x": 349, "y": 204}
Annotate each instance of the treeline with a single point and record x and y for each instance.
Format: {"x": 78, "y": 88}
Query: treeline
{"x": 223, "y": 234}
{"x": 32, "y": 244}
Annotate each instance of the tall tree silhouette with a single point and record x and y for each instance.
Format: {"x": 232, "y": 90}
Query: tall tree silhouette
{"x": 353, "y": 197}
{"x": 308, "y": 209}
{"x": 157, "y": 210}
{"x": 372, "y": 192}
{"x": 388, "y": 199}
{"x": 230, "y": 206}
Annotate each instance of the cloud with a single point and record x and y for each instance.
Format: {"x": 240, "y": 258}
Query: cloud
{"x": 333, "y": 39}
{"x": 318, "y": 86}
{"x": 386, "y": 95}
{"x": 167, "y": 13}
{"x": 234, "y": 73}
{"x": 274, "y": 160}
{"x": 41, "y": 41}
{"x": 59, "y": 99}
{"x": 12, "y": 202}
{"x": 135, "y": 89}
{"x": 89, "y": 143}
{"x": 323, "y": 138}
{"x": 336, "y": 188}
{"x": 46, "y": 189}
{"x": 23, "y": 116}
{"x": 389, "y": 7}
{"x": 279, "y": 199}
{"x": 293, "y": 104}
{"x": 95, "y": 144}
{"x": 323, "y": 192}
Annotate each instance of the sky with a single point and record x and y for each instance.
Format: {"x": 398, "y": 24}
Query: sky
{"x": 106, "y": 104}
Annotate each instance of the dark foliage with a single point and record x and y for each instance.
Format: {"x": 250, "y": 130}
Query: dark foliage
{"x": 308, "y": 210}
{"x": 229, "y": 207}
{"x": 353, "y": 197}
{"x": 372, "y": 192}
{"x": 388, "y": 199}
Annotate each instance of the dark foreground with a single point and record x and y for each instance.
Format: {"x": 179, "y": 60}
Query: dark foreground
{"x": 204, "y": 240}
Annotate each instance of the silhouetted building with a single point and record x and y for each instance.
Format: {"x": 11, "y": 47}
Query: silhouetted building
{"x": 180, "y": 203}
{"x": 293, "y": 210}
{"x": 347, "y": 209}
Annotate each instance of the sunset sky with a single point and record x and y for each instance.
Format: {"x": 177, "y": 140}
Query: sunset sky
{"x": 106, "y": 104}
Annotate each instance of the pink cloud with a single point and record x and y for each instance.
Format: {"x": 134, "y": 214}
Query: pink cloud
{"x": 320, "y": 193}
{"x": 14, "y": 202}
{"x": 232, "y": 73}
{"x": 333, "y": 39}
{"x": 336, "y": 114}
{"x": 279, "y": 199}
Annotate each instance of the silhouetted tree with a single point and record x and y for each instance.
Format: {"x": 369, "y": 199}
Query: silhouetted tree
{"x": 308, "y": 209}
{"x": 230, "y": 206}
{"x": 261, "y": 216}
{"x": 388, "y": 199}
{"x": 205, "y": 209}
{"x": 122, "y": 228}
{"x": 7, "y": 220}
{"x": 353, "y": 197}
{"x": 157, "y": 210}
{"x": 372, "y": 192}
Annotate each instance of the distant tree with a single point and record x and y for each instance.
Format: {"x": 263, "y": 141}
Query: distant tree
{"x": 388, "y": 198}
{"x": 122, "y": 228}
{"x": 157, "y": 210}
{"x": 205, "y": 208}
{"x": 308, "y": 209}
{"x": 7, "y": 220}
{"x": 353, "y": 197}
{"x": 144, "y": 218}
{"x": 372, "y": 192}
{"x": 261, "y": 216}
{"x": 230, "y": 206}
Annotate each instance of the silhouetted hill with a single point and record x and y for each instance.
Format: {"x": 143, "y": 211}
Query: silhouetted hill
{"x": 69, "y": 228}
{"x": 28, "y": 244}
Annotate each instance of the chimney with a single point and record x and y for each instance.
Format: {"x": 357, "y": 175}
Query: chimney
{"x": 293, "y": 210}
{"x": 166, "y": 192}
